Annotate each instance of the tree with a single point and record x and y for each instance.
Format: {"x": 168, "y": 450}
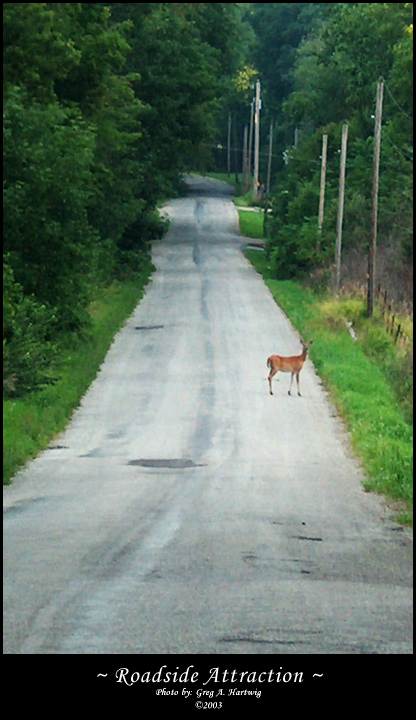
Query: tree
{"x": 280, "y": 29}
{"x": 334, "y": 77}
{"x": 50, "y": 243}
{"x": 71, "y": 126}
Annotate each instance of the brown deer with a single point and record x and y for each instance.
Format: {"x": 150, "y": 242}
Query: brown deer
{"x": 292, "y": 364}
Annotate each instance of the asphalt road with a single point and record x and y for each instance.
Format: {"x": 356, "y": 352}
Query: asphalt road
{"x": 185, "y": 510}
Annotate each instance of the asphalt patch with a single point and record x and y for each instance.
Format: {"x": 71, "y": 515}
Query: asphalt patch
{"x": 149, "y": 327}
{"x": 170, "y": 463}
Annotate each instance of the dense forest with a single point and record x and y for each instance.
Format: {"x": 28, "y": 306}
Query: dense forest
{"x": 107, "y": 104}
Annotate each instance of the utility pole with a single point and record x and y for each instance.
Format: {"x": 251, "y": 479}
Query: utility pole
{"x": 296, "y": 140}
{"x": 229, "y": 146}
{"x": 250, "y": 146}
{"x": 269, "y": 168}
{"x": 246, "y": 170}
{"x": 256, "y": 141}
{"x": 323, "y": 181}
{"x": 376, "y": 175}
{"x": 341, "y": 206}
{"x": 235, "y": 149}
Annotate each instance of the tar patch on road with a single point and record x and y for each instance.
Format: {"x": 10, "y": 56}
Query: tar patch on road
{"x": 149, "y": 327}
{"x": 170, "y": 463}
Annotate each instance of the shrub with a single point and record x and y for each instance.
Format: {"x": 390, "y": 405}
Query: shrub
{"x": 28, "y": 352}
{"x": 294, "y": 252}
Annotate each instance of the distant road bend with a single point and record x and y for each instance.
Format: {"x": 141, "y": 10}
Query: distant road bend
{"x": 185, "y": 509}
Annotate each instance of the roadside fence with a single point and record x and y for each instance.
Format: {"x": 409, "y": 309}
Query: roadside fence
{"x": 393, "y": 327}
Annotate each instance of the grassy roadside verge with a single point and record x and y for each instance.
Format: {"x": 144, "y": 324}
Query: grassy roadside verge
{"x": 251, "y": 223}
{"x": 365, "y": 398}
{"x": 30, "y": 423}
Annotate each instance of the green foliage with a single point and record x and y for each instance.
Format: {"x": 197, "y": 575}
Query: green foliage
{"x": 319, "y": 65}
{"x": 280, "y": 28}
{"x": 47, "y": 187}
{"x": 177, "y": 82}
{"x": 28, "y": 353}
{"x": 37, "y": 47}
{"x": 293, "y": 244}
{"x": 295, "y": 251}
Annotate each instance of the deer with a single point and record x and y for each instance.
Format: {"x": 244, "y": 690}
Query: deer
{"x": 292, "y": 364}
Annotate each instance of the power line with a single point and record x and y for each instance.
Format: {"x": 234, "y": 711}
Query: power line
{"x": 262, "y": 154}
{"x": 397, "y": 104}
{"x": 399, "y": 150}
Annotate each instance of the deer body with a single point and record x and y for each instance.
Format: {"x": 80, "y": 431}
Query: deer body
{"x": 292, "y": 364}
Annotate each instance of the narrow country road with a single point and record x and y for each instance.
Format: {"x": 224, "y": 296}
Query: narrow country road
{"x": 185, "y": 510}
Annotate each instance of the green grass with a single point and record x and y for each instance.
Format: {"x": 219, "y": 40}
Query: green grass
{"x": 246, "y": 201}
{"x": 360, "y": 386}
{"x": 31, "y": 422}
{"x": 251, "y": 224}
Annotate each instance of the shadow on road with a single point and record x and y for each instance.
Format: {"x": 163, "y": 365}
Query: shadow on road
{"x": 208, "y": 187}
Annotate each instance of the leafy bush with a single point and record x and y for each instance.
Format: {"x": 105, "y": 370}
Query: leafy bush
{"x": 295, "y": 250}
{"x": 28, "y": 352}
{"x": 50, "y": 243}
{"x": 133, "y": 251}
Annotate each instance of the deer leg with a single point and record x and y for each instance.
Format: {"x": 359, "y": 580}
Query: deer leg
{"x": 271, "y": 376}
{"x": 289, "y": 392}
{"x": 297, "y": 380}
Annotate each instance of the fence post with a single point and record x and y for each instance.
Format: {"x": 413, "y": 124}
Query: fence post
{"x": 388, "y": 318}
{"x": 399, "y": 330}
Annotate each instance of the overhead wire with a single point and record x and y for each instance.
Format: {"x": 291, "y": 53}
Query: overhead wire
{"x": 396, "y": 103}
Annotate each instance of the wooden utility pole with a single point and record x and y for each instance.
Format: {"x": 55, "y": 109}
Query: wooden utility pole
{"x": 246, "y": 169}
{"x": 296, "y": 140}
{"x": 376, "y": 175}
{"x": 250, "y": 142}
{"x": 323, "y": 181}
{"x": 235, "y": 150}
{"x": 229, "y": 146}
{"x": 256, "y": 141}
{"x": 341, "y": 207}
{"x": 269, "y": 167}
